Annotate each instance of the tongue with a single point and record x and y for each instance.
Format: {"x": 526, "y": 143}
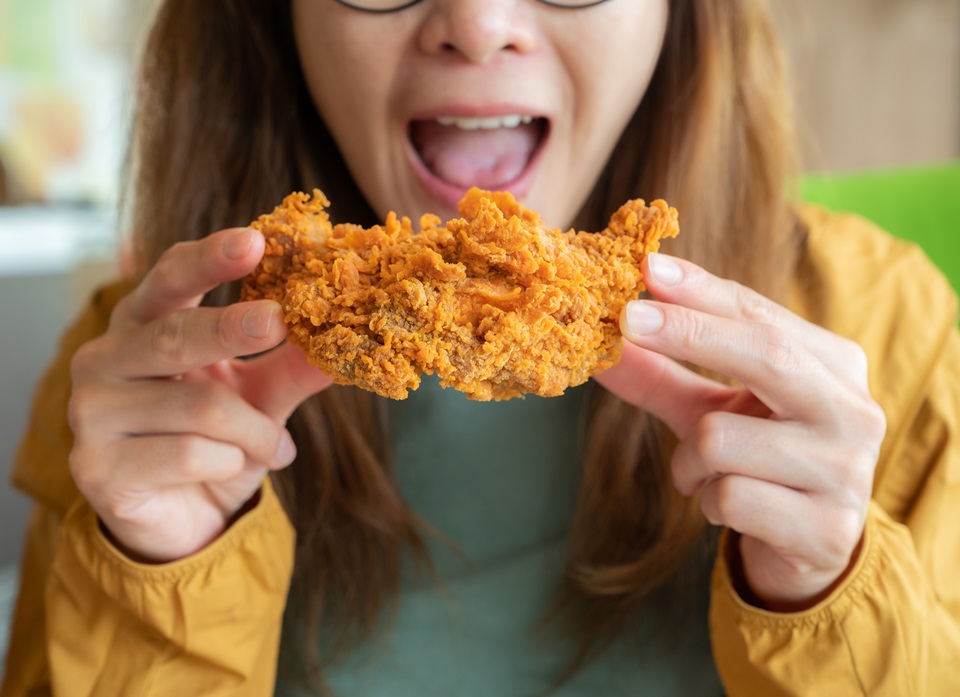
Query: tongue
{"x": 487, "y": 158}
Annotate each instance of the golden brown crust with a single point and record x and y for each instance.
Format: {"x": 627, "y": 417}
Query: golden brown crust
{"x": 494, "y": 303}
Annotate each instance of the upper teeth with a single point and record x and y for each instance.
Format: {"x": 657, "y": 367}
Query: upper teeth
{"x": 471, "y": 124}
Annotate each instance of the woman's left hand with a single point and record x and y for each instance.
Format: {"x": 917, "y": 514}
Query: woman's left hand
{"x": 786, "y": 455}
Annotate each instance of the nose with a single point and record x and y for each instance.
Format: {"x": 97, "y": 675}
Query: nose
{"x": 478, "y": 30}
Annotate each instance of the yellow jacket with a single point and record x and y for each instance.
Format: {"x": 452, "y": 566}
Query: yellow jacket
{"x": 91, "y": 622}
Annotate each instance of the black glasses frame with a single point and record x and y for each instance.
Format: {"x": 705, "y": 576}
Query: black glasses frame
{"x": 398, "y": 8}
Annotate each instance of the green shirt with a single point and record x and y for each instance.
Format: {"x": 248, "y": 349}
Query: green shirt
{"x": 499, "y": 480}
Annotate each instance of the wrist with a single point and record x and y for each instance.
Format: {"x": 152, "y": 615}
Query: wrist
{"x": 773, "y": 602}
{"x": 136, "y": 553}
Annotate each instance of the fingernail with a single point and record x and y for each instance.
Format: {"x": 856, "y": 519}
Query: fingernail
{"x": 286, "y": 449}
{"x": 258, "y": 321}
{"x": 664, "y": 269}
{"x": 237, "y": 244}
{"x": 642, "y": 318}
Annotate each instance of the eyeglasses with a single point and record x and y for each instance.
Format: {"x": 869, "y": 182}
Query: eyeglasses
{"x": 380, "y": 6}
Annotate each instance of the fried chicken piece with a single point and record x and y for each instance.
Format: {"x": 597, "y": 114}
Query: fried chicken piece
{"x": 494, "y": 303}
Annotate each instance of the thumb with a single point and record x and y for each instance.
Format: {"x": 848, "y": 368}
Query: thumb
{"x": 669, "y": 391}
{"x": 278, "y": 382}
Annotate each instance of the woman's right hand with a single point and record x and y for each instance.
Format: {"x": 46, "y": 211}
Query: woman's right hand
{"x": 172, "y": 434}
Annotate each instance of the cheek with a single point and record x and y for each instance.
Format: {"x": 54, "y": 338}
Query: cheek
{"x": 611, "y": 83}
{"x": 324, "y": 69}
{"x": 347, "y": 82}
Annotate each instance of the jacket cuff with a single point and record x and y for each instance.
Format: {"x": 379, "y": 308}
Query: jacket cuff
{"x": 219, "y": 610}
{"x": 829, "y": 608}
{"x": 826, "y": 648}
{"x": 263, "y": 528}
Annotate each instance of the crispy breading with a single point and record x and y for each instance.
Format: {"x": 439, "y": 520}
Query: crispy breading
{"x": 494, "y": 302}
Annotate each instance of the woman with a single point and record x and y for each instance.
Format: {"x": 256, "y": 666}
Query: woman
{"x": 170, "y": 569}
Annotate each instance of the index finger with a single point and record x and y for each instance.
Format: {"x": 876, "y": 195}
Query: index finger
{"x": 194, "y": 338}
{"x": 763, "y": 357}
{"x": 681, "y": 282}
{"x": 188, "y": 270}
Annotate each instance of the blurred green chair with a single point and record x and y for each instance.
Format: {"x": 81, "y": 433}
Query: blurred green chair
{"x": 921, "y": 204}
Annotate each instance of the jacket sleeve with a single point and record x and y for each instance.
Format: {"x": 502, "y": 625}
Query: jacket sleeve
{"x": 892, "y": 628}
{"x": 89, "y": 621}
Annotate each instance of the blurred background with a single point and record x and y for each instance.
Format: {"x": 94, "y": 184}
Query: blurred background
{"x": 65, "y": 70}
{"x": 877, "y": 86}
{"x": 877, "y": 82}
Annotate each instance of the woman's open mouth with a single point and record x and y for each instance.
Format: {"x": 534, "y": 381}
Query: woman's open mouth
{"x": 452, "y": 153}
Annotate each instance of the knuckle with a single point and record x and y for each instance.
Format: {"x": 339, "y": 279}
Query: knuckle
{"x": 680, "y": 472}
{"x": 208, "y": 410}
{"x": 120, "y": 509}
{"x": 866, "y": 423}
{"x": 853, "y": 477}
{"x": 214, "y": 412}
{"x": 126, "y": 311}
{"x": 726, "y": 499}
{"x": 268, "y": 442}
{"x": 863, "y": 420}
{"x": 709, "y": 438}
{"x": 172, "y": 266}
{"x": 706, "y": 447}
{"x": 168, "y": 339}
{"x": 123, "y": 305}
{"x": 85, "y": 469}
{"x": 224, "y": 330}
{"x": 264, "y": 442}
{"x": 695, "y": 333}
{"x": 174, "y": 255}
{"x": 193, "y": 459}
{"x": 854, "y": 358}
{"x": 753, "y": 306}
{"x": 165, "y": 272}
{"x": 82, "y": 408}
{"x": 189, "y": 455}
{"x": 85, "y": 360}
{"x": 844, "y": 531}
{"x": 776, "y": 353}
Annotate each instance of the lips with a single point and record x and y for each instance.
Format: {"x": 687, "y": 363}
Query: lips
{"x": 452, "y": 153}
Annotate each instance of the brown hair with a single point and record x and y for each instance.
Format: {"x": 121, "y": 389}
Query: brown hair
{"x": 225, "y": 128}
